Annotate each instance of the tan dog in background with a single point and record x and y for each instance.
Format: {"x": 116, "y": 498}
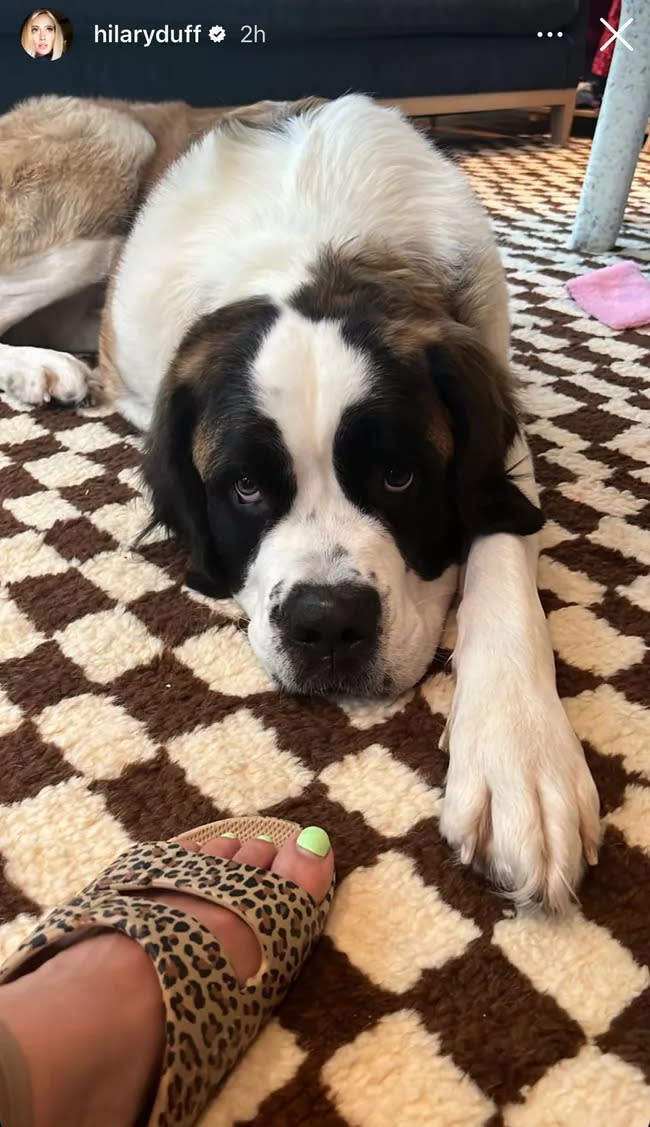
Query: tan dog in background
{"x": 73, "y": 174}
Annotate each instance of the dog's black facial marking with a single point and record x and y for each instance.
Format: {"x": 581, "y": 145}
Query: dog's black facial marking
{"x": 385, "y": 431}
{"x": 437, "y": 393}
{"x": 255, "y": 448}
{"x": 389, "y": 431}
{"x": 207, "y": 434}
{"x": 444, "y": 497}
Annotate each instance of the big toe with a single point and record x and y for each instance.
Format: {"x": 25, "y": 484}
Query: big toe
{"x": 307, "y": 859}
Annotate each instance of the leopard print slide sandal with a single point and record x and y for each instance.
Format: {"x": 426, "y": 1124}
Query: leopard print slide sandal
{"x": 210, "y": 1019}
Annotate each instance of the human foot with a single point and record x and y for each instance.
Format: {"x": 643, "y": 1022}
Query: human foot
{"x": 101, "y": 997}
{"x": 296, "y": 862}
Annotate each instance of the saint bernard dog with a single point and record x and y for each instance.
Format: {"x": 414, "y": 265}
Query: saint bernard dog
{"x": 308, "y": 317}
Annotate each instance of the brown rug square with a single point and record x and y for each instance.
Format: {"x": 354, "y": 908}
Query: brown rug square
{"x": 132, "y": 708}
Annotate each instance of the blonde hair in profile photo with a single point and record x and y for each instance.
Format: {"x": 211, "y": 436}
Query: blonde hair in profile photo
{"x": 27, "y": 40}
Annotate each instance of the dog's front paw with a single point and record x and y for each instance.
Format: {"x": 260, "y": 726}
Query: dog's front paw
{"x": 40, "y": 375}
{"x": 520, "y": 803}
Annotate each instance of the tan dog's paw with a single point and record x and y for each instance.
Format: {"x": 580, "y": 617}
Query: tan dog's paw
{"x": 39, "y": 375}
{"x": 520, "y": 803}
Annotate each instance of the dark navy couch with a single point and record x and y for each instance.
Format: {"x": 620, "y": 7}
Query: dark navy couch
{"x": 394, "y": 49}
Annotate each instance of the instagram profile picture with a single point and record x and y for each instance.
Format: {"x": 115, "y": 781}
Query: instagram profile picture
{"x": 46, "y": 34}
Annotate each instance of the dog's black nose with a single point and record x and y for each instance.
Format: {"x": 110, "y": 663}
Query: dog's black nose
{"x": 331, "y": 621}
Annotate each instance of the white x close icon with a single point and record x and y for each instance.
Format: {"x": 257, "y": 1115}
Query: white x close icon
{"x": 616, "y": 34}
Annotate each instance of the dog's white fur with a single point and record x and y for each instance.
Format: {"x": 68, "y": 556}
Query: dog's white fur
{"x": 517, "y": 777}
{"x": 238, "y": 216}
{"x": 241, "y": 215}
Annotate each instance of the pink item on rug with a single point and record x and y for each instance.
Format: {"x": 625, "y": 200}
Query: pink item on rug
{"x": 617, "y": 295}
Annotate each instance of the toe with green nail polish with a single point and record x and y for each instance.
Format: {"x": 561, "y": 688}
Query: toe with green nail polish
{"x": 314, "y": 840}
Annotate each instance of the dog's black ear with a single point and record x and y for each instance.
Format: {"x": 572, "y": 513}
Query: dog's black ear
{"x": 178, "y": 493}
{"x": 480, "y": 401}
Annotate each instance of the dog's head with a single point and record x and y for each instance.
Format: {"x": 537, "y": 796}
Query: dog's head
{"x": 327, "y": 459}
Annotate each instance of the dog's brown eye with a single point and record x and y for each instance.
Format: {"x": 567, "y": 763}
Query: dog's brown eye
{"x": 397, "y": 480}
{"x": 247, "y": 491}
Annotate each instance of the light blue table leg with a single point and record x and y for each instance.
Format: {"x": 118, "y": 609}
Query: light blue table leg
{"x": 619, "y": 135}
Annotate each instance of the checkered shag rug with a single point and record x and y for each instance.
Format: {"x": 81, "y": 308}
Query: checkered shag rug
{"x": 132, "y": 708}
